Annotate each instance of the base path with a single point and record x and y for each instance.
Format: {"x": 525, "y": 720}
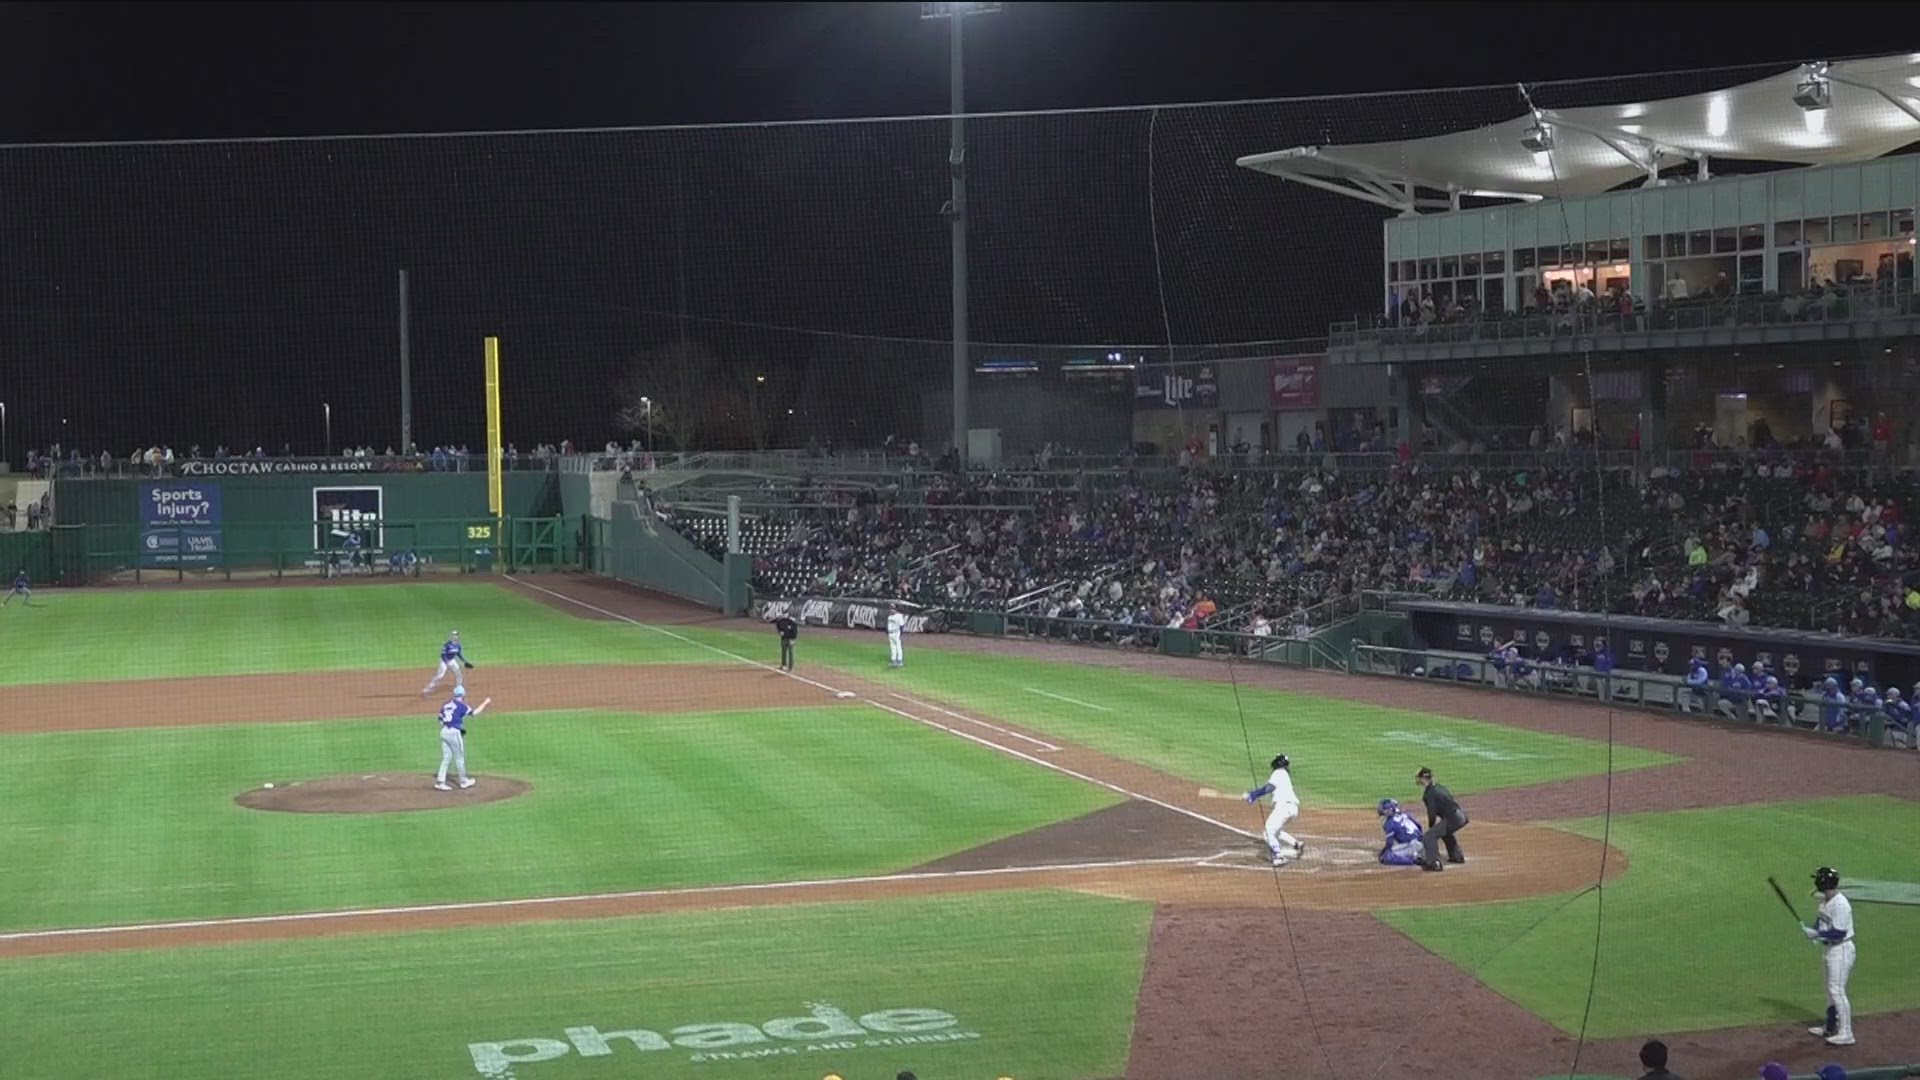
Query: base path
{"x": 349, "y": 695}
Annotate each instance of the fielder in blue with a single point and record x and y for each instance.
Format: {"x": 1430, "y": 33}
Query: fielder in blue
{"x": 1404, "y": 836}
{"x": 1695, "y": 696}
{"x": 1833, "y": 705}
{"x": 1899, "y": 717}
{"x": 452, "y": 659}
{"x": 22, "y": 588}
{"x": 453, "y": 737}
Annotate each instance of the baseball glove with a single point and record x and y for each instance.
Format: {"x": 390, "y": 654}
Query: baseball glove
{"x": 469, "y": 667}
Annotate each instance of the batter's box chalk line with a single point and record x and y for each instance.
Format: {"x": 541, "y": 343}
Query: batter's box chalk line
{"x": 1319, "y": 856}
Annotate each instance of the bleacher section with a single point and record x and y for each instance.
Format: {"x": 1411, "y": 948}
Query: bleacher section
{"x": 1801, "y": 540}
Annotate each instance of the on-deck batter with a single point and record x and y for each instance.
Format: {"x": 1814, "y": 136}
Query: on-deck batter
{"x": 452, "y": 659}
{"x": 1286, "y": 807}
{"x": 1832, "y": 930}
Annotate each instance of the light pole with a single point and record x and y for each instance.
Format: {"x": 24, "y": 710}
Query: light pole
{"x": 755, "y": 427}
{"x": 327, "y": 410}
{"x": 646, "y": 424}
{"x": 3, "y": 432}
{"x": 956, "y": 209}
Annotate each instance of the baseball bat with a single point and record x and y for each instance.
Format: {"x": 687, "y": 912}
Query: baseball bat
{"x": 1782, "y": 894}
{"x": 1209, "y": 793}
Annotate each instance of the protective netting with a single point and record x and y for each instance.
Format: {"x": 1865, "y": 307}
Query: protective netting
{"x": 1558, "y": 473}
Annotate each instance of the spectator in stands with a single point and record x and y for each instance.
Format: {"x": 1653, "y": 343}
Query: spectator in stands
{"x": 1653, "y": 1055}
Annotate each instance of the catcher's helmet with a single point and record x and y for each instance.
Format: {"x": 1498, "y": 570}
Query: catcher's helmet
{"x": 1388, "y": 806}
{"x": 1826, "y": 878}
{"x": 1281, "y": 761}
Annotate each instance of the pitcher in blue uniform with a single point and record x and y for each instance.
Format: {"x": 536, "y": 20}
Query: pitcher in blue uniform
{"x": 452, "y": 659}
{"x": 453, "y": 737}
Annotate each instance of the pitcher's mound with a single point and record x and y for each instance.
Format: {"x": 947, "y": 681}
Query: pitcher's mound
{"x": 376, "y": 793}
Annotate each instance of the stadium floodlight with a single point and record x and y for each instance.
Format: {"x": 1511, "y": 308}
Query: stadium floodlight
{"x": 1814, "y": 92}
{"x": 327, "y": 411}
{"x": 1538, "y": 137}
{"x": 956, "y": 209}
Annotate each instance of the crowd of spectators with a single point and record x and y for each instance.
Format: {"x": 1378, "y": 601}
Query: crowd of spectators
{"x": 1562, "y": 303}
{"x": 37, "y": 515}
{"x": 162, "y": 460}
{"x": 1763, "y": 540}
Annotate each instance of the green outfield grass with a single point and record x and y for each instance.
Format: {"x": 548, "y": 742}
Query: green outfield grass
{"x": 1036, "y": 985}
{"x": 109, "y": 827}
{"x": 1344, "y": 753}
{"x": 88, "y": 636}
{"x": 1692, "y": 938}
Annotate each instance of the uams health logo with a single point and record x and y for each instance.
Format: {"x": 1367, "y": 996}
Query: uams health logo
{"x": 825, "y": 1027}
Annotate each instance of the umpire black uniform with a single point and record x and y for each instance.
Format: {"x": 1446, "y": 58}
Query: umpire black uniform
{"x": 1445, "y": 818}
{"x": 789, "y": 630}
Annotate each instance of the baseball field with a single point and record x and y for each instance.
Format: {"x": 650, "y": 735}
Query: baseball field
{"x": 224, "y": 857}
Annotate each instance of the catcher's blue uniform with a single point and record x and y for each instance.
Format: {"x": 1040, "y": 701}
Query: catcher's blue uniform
{"x": 1404, "y": 837}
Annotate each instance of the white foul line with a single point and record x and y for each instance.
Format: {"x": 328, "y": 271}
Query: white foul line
{"x": 1045, "y": 764}
{"x": 677, "y": 637}
{"x": 1068, "y": 700}
{"x": 916, "y": 719}
{"x": 585, "y": 898}
{"x": 1044, "y": 746}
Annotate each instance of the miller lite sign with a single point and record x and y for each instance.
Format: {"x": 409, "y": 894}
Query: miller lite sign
{"x": 1177, "y": 386}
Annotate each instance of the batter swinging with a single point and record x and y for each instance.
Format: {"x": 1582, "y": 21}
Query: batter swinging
{"x": 1286, "y": 807}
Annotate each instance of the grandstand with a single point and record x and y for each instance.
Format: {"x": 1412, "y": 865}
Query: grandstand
{"x": 1626, "y": 417}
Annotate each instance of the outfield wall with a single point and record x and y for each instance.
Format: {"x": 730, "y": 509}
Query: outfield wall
{"x": 250, "y": 521}
{"x": 249, "y": 500}
{"x": 29, "y": 551}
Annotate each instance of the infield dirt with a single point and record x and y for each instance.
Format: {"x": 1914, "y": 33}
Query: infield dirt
{"x": 1301, "y": 941}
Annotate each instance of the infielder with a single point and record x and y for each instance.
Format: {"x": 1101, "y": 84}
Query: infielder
{"x": 1832, "y": 930}
{"x": 22, "y": 588}
{"x": 1403, "y": 846}
{"x": 896, "y": 650}
{"x": 1286, "y": 807}
{"x": 453, "y": 737}
{"x": 452, "y": 659}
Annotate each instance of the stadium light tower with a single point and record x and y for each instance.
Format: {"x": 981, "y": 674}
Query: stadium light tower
{"x": 327, "y": 411}
{"x": 956, "y": 210}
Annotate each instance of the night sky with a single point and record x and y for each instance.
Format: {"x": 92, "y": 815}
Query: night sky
{"x": 219, "y": 292}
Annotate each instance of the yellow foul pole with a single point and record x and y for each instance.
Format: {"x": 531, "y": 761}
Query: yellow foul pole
{"x": 495, "y": 501}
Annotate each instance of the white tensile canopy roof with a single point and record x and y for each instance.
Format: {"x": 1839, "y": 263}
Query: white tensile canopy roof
{"x": 1876, "y": 110}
